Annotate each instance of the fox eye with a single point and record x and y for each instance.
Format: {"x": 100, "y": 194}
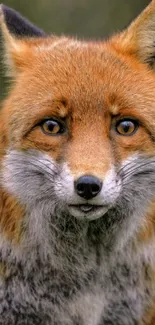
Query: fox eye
{"x": 52, "y": 127}
{"x": 126, "y": 127}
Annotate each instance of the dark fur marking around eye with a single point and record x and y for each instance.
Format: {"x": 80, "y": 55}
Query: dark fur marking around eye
{"x": 151, "y": 59}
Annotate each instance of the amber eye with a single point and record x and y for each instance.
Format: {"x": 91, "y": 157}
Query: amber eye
{"x": 126, "y": 127}
{"x": 52, "y": 127}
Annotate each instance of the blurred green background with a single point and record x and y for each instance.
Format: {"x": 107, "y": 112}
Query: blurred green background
{"x": 94, "y": 19}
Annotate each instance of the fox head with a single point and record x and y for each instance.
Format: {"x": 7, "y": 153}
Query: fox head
{"x": 78, "y": 125}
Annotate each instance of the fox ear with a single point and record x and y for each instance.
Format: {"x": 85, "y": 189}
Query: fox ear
{"x": 15, "y": 31}
{"x": 139, "y": 38}
{"x": 18, "y": 25}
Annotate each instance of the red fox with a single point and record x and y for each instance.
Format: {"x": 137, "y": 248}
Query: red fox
{"x": 77, "y": 177}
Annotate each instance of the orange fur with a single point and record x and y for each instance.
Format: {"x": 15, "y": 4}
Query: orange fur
{"x": 11, "y": 214}
{"x": 93, "y": 81}
{"x": 59, "y": 94}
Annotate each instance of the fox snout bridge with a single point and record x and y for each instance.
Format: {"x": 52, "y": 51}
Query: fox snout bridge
{"x": 88, "y": 187}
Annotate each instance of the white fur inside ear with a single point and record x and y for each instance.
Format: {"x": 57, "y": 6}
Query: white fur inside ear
{"x": 13, "y": 50}
{"x": 14, "y": 44}
{"x": 139, "y": 37}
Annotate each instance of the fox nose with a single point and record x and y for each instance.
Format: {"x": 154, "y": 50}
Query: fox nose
{"x": 88, "y": 187}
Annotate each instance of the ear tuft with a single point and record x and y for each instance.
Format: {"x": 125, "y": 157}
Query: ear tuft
{"x": 18, "y": 25}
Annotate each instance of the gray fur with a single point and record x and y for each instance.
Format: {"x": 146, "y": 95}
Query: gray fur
{"x": 68, "y": 271}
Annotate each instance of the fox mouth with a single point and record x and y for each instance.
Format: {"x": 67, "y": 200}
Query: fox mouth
{"x": 87, "y": 211}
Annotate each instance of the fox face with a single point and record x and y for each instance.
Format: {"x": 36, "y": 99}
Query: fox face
{"x": 77, "y": 176}
{"x": 78, "y": 124}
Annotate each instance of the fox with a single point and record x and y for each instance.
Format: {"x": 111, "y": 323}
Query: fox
{"x": 77, "y": 176}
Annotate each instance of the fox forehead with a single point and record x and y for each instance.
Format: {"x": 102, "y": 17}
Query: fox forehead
{"x": 84, "y": 77}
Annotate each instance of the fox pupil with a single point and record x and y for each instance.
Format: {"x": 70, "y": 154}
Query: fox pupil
{"x": 126, "y": 127}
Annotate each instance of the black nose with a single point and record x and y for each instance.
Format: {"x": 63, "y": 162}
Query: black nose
{"x": 88, "y": 187}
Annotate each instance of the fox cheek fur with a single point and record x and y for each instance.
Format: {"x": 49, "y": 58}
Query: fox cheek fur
{"x": 35, "y": 179}
{"x": 76, "y": 190}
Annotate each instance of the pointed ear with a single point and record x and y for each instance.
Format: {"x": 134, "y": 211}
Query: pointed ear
{"x": 16, "y": 31}
{"x": 139, "y": 38}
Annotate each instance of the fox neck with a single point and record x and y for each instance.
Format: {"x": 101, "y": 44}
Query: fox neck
{"x": 28, "y": 233}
